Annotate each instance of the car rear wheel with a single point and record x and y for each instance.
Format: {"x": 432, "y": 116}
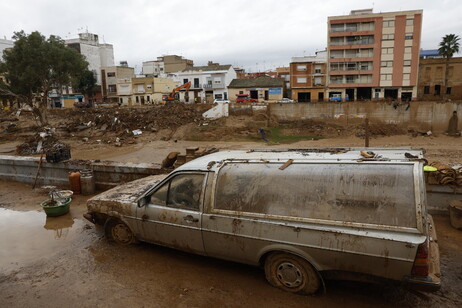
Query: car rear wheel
{"x": 118, "y": 232}
{"x": 291, "y": 273}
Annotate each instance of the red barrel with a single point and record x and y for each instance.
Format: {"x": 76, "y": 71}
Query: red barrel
{"x": 74, "y": 181}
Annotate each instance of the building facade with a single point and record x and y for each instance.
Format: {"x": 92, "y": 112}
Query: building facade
{"x": 308, "y": 78}
{"x": 432, "y": 74}
{"x": 265, "y": 89}
{"x": 207, "y": 82}
{"x": 149, "y": 90}
{"x": 374, "y": 55}
{"x": 5, "y": 44}
{"x": 116, "y": 84}
{"x": 97, "y": 55}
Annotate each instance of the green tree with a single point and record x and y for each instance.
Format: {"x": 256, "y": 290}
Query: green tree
{"x": 85, "y": 83}
{"x": 36, "y": 65}
{"x": 449, "y": 45}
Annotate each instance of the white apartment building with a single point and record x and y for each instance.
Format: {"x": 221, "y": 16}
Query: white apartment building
{"x": 97, "y": 55}
{"x": 207, "y": 82}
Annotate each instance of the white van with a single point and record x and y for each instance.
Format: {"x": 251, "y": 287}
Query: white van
{"x": 303, "y": 215}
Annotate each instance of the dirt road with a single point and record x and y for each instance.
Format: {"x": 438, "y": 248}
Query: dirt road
{"x": 66, "y": 262}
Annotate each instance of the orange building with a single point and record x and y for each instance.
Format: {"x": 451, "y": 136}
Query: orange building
{"x": 374, "y": 55}
{"x": 308, "y": 78}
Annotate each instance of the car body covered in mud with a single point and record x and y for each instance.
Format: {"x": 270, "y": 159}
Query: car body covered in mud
{"x": 304, "y": 215}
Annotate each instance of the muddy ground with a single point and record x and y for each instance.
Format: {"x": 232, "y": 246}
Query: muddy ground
{"x": 66, "y": 262}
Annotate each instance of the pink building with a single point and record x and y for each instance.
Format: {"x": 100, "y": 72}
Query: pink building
{"x": 374, "y": 56}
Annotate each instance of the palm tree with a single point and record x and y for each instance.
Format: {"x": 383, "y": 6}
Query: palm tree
{"x": 448, "y": 47}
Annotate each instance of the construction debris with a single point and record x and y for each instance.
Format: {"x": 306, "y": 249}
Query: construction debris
{"x": 445, "y": 175}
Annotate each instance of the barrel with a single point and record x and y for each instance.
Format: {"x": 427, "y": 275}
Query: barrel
{"x": 87, "y": 182}
{"x": 74, "y": 181}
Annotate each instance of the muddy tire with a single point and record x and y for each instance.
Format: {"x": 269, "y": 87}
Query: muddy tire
{"x": 291, "y": 273}
{"x": 118, "y": 232}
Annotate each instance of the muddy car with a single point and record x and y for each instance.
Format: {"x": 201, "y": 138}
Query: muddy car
{"x": 303, "y": 215}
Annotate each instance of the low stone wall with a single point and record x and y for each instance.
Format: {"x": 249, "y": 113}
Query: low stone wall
{"x": 106, "y": 174}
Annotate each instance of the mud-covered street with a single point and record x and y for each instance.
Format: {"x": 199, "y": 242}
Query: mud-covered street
{"x": 66, "y": 262}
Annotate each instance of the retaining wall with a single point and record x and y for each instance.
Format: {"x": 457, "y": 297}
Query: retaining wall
{"x": 424, "y": 116}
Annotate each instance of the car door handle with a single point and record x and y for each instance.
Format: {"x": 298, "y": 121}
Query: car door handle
{"x": 190, "y": 219}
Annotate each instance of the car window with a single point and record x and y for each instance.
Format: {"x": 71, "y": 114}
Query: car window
{"x": 159, "y": 197}
{"x": 185, "y": 191}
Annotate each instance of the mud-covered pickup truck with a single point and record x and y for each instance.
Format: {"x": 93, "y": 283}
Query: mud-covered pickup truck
{"x": 303, "y": 215}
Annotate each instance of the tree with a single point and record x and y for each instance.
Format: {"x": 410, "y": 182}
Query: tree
{"x": 85, "y": 83}
{"x": 448, "y": 47}
{"x": 36, "y": 65}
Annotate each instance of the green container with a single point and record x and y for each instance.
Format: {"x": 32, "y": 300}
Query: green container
{"x": 56, "y": 210}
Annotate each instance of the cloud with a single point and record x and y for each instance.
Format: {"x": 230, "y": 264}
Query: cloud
{"x": 267, "y": 32}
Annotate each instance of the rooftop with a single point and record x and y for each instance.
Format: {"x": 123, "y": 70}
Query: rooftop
{"x": 351, "y": 155}
{"x": 259, "y": 82}
{"x": 208, "y": 68}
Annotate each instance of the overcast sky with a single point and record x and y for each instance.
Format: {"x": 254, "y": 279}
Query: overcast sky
{"x": 254, "y": 34}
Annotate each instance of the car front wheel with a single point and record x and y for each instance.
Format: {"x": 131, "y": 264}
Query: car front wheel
{"x": 117, "y": 231}
{"x": 291, "y": 273}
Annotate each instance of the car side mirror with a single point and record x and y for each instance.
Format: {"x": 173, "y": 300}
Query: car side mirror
{"x": 143, "y": 201}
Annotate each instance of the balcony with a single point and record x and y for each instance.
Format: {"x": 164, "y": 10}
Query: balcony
{"x": 213, "y": 86}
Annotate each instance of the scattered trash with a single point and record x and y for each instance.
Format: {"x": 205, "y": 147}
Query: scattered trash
{"x": 85, "y": 139}
{"x": 137, "y": 132}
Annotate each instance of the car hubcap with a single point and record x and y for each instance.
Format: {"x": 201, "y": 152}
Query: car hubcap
{"x": 121, "y": 233}
{"x": 289, "y": 275}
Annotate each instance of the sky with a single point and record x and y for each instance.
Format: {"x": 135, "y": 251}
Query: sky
{"x": 257, "y": 35}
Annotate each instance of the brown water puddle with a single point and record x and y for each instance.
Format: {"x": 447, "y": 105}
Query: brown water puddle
{"x": 28, "y": 236}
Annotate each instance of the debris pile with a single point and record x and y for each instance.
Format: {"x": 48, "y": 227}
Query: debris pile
{"x": 134, "y": 119}
{"x": 445, "y": 175}
{"x": 42, "y": 142}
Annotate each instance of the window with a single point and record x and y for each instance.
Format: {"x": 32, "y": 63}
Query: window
{"x": 301, "y": 67}
{"x": 406, "y": 76}
{"x": 112, "y": 88}
{"x": 351, "y": 66}
{"x": 218, "y": 96}
{"x": 385, "y": 77}
{"x": 336, "y": 79}
{"x": 196, "y": 82}
{"x": 407, "y": 49}
{"x": 350, "y": 79}
{"x": 407, "y": 63}
{"x": 185, "y": 80}
{"x": 301, "y": 79}
{"x": 111, "y": 74}
{"x": 448, "y": 90}
{"x": 318, "y": 81}
{"x": 241, "y": 92}
{"x": 386, "y": 64}
{"x": 409, "y": 22}
{"x": 161, "y": 69}
{"x": 317, "y": 69}
{"x": 388, "y": 37}
{"x": 388, "y": 23}
{"x": 149, "y": 86}
{"x": 387, "y": 50}
{"x": 408, "y": 36}
{"x": 364, "y": 66}
{"x": 216, "y": 80}
{"x": 437, "y": 89}
{"x": 182, "y": 191}
{"x": 427, "y": 90}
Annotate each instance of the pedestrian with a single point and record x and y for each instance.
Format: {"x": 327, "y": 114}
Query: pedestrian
{"x": 262, "y": 133}
{"x": 453, "y": 126}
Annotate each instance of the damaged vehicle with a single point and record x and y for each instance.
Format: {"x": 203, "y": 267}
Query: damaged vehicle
{"x": 303, "y": 215}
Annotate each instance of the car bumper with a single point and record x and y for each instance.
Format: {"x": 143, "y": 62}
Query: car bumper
{"x": 432, "y": 282}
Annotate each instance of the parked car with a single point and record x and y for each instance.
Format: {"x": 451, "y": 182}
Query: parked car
{"x": 335, "y": 98}
{"x": 304, "y": 216}
{"x": 224, "y": 101}
{"x": 244, "y": 98}
{"x": 286, "y": 100}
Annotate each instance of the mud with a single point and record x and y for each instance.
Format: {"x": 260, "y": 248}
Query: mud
{"x": 79, "y": 268}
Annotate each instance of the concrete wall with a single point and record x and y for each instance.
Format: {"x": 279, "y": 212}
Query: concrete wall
{"x": 432, "y": 116}
{"x": 106, "y": 174}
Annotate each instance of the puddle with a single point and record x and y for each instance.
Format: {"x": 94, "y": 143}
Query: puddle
{"x": 28, "y": 236}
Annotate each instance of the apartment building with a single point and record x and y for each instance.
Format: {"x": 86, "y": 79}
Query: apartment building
{"x": 432, "y": 73}
{"x": 98, "y": 55}
{"x": 116, "y": 84}
{"x": 165, "y": 65}
{"x": 374, "y": 55}
{"x": 308, "y": 77}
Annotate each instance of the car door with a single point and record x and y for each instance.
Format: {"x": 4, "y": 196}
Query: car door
{"x": 172, "y": 213}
